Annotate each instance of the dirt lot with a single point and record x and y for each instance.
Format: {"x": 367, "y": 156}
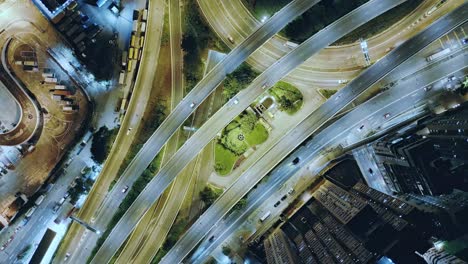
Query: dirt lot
{"x": 60, "y": 126}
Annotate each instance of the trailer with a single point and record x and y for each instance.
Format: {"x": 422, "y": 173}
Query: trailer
{"x": 30, "y": 63}
{"x": 48, "y": 75}
{"x": 131, "y": 52}
{"x": 135, "y": 26}
{"x": 62, "y": 92}
{"x": 50, "y": 80}
{"x": 122, "y": 77}
{"x": 438, "y": 54}
{"x": 60, "y": 87}
{"x": 79, "y": 38}
{"x": 133, "y": 41}
{"x": 143, "y": 27}
{"x": 69, "y": 108}
{"x": 144, "y": 16}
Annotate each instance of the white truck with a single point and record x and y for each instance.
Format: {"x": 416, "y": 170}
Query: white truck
{"x": 438, "y": 54}
{"x": 290, "y": 44}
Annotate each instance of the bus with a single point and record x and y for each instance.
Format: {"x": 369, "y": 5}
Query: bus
{"x": 265, "y": 216}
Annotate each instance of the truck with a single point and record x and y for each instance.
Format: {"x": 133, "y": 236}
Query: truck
{"x": 438, "y": 54}
{"x": 265, "y": 216}
{"x": 39, "y": 200}
{"x": 290, "y": 44}
{"x": 62, "y": 92}
{"x": 124, "y": 58}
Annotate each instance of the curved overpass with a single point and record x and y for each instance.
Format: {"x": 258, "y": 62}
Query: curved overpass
{"x": 30, "y": 123}
{"x": 231, "y": 18}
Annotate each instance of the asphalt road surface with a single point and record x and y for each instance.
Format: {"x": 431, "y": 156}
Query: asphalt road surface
{"x": 202, "y": 137}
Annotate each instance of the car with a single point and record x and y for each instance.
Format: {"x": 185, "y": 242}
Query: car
{"x": 192, "y": 105}
{"x": 276, "y": 204}
{"x": 371, "y": 171}
{"x": 465, "y": 41}
{"x": 2, "y": 248}
{"x": 124, "y": 190}
{"x": 67, "y": 256}
{"x": 61, "y": 201}
{"x": 291, "y": 191}
{"x": 427, "y": 88}
{"x": 296, "y": 161}
{"x": 452, "y": 78}
{"x": 361, "y": 127}
{"x": 211, "y": 238}
{"x": 265, "y": 85}
{"x": 235, "y": 101}
{"x": 387, "y": 115}
{"x": 230, "y": 39}
{"x": 129, "y": 130}
{"x": 56, "y": 208}
{"x": 66, "y": 195}
{"x": 284, "y": 197}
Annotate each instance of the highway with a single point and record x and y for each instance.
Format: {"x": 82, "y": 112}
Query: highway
{"x": 404, "y": 97}
{"x": 231, "y": 18}
{"x": 79, "y": 241}
{"x": 229, "y": 111}
{"x": 149, "y": 235}
{"x": 319, "y": 117}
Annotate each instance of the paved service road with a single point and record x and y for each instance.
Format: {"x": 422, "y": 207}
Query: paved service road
{"x": 208, "y": 131}
{"x": 229, "y": 198}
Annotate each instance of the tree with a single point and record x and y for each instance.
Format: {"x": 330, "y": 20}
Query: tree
{"x": 208, "y": 196}
{"x": 227, "y": 251}
{"x": 102, "y": 143}
{"x": 240, "y": 204}
{"x": 247, "y": 122}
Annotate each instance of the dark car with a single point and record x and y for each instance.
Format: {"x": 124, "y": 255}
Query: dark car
{"x": 296, "y": 160}
{"x": 277, "y": 203}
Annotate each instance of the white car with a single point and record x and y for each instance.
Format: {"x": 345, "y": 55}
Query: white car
{"x": 124, "y": 190}
{"x": 192, "y": 105}
{"x": 236, "y": 101}
{"x": 129, "y": 130}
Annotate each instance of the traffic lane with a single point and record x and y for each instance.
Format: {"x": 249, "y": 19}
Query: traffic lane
{"x": 323, "y": 113}
{"x": 99, "y": 192}
{"x": 372, "y": 110}
{"x": 183, "y": 110}
{"x": 345, "y": 25}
